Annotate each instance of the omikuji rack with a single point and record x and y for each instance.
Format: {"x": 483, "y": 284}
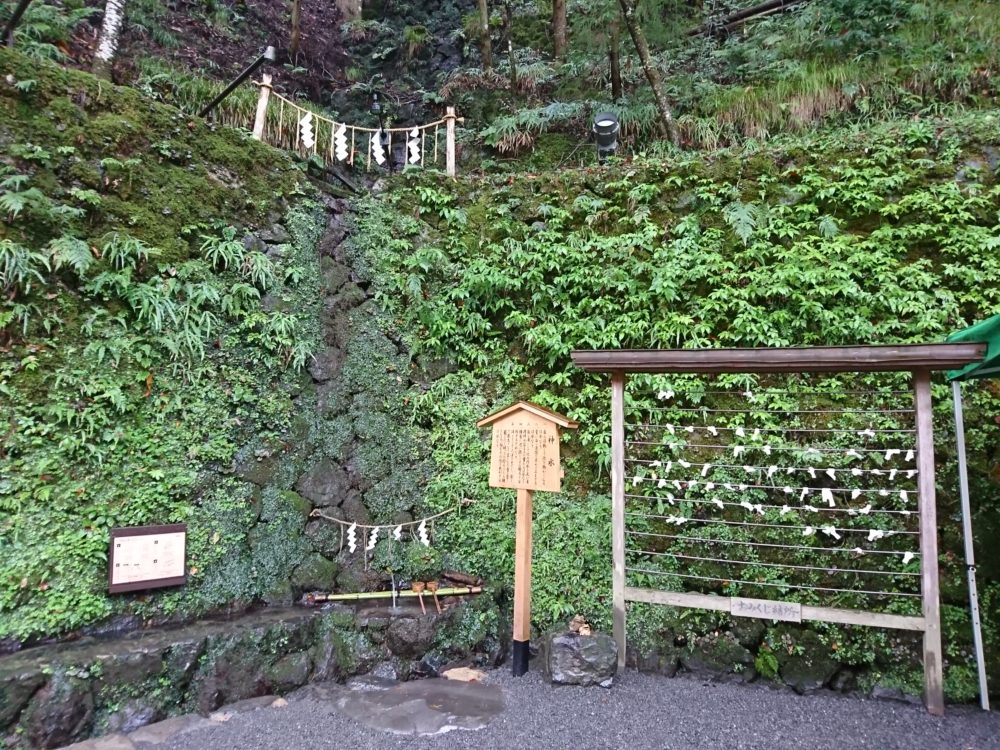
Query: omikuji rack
{"x": 659, "y": 499}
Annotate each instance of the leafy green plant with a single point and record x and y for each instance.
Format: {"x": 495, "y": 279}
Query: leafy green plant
{"x": 46, "y": 27}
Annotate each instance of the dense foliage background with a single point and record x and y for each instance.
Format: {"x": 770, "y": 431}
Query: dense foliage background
{"x": 835, "y": 182}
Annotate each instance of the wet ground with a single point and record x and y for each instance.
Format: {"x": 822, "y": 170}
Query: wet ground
{"x": 641, "y": 712}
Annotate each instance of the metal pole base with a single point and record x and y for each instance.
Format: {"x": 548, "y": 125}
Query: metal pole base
{"x": 520, "y": 658}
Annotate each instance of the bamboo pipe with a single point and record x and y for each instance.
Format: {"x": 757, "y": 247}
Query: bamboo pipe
{"x": 362, "y": 595}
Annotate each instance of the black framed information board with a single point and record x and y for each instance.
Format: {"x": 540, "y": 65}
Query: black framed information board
{"x": 147, "y": 557}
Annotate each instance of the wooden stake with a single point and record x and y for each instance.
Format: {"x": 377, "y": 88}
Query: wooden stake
{"x": 261, "y": 117}
{"x": 450, "y": 141}
{"x": 618, "y": 511}
{"x": 933, "y": 669}
{"x": 522, "y": 582}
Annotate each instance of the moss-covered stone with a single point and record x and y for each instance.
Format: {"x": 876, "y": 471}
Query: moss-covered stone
{"x": 806, "y": 662}
{"x": 720, "y": 656}
{"x": 289, "y": 672}
{"x": 60, "y": 713}
{"x": 315, "y": 573}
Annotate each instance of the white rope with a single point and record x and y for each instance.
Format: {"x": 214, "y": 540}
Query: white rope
{"x": 317, "y": 513}
{"x": 333, "y": 123}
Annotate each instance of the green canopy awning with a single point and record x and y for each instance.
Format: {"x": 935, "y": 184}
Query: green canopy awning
{"x": 988, "y": 332}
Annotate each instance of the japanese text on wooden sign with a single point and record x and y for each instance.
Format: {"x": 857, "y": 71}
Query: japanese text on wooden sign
{"x": 766, "y": 609}
{"x": 525, "y": 454}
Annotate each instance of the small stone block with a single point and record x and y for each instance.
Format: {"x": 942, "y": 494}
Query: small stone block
{"x": 161, "y": 731}
{"x": 463, "y": 674}
{"x": 108, "y": 742}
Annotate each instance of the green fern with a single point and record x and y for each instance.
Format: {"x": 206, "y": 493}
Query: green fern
{"x": 150, "y": 305}
{"x": 19, "y": 267}
{"x": 70, "y": 252}
{"x": 223, "y": 252}
{"x": 742, "y": 218}
{"x": 258, "y": 270}
{"x": 123, "y": 250}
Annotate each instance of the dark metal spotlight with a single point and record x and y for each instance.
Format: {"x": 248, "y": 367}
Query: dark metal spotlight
{"x": 605, "y": 131}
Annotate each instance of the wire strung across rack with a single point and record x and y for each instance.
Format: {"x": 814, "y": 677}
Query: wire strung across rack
{"x": 763, "y": 564}
{"x": 833, "y": 550}
{"x": 649, "y": 473}
{"x": 748, "y": 394}
{"x": 773, "y": 584}
{"x": 704, "y": 428}
{"x": 755, "y": 524}
{"x": 787, "y": 470}
{"x": 706, "y": 410}
{"x": 786, "y": 508}
{"x": 810, "y": 449}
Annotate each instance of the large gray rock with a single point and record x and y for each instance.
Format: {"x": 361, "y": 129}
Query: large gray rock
{"x": 17, "y": 685}
{"x": 411, "y": 637}
{"x": 810, "y": 666}
{"x": 324, "y": 484}
{"x": 574, "y": 659}
{"x": 60, "y": 712}
{"x": 720, "y": 657}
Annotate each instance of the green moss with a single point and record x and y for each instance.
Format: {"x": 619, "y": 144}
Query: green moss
{"x": 149, "y": 426}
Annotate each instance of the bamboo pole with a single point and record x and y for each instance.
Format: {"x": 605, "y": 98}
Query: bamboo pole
{"x": 262, "y": 100}
{"x": 281, "y": 121}
{"x": 364, "y": 595}
{"x": 450, "y": 141}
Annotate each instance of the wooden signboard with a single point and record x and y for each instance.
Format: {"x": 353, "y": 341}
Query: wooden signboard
{"x": 525, "y": 457}
{"x": 147, "y": 557}
{"x": 525, "y": 453}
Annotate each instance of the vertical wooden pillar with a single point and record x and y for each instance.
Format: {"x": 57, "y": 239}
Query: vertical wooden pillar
{"x": 618, "y": 510}
{"x": 933, "y": 668}
{"x": 450, "y": 141}
{"x": 522, "y": 582}
{"x": 261, "y": 118}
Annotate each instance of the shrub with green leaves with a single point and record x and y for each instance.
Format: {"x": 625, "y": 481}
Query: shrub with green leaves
{"x": 849, "y": 237}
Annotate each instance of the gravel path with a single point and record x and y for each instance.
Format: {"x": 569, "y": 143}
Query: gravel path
{"x": 641, "y": 712}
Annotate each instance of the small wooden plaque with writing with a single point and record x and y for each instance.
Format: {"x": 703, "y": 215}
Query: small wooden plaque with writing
{"x": 525, "y": 451}
{"x": 766, "y": 609}
{"x": 147, "y": 557}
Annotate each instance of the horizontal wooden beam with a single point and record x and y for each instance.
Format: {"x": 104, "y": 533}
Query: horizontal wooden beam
{"x": 821, "y": 614}
{"x": 903, "y": 357}
{"x": 677, "y": 599}
{"x": 860, "y": 617}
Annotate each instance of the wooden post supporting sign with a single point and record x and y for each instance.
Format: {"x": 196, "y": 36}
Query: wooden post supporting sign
{"x": 525, "y": 457}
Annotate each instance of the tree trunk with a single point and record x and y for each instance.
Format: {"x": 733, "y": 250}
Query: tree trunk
{"x": 107, "y": 45}
{"x": 667, "y": 124}
{"x": 614, "y": 58}
{"x": 485, "y": 47}
{"x": 559, "y": 28}
{"x": 509, "y": 22}
{"x": 295, "y": 40}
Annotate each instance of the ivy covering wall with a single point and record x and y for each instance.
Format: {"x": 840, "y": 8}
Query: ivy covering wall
{"x": 145, "y": 337}
{"x": 883, "y": 235}
{"x": 152, "y": 343}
